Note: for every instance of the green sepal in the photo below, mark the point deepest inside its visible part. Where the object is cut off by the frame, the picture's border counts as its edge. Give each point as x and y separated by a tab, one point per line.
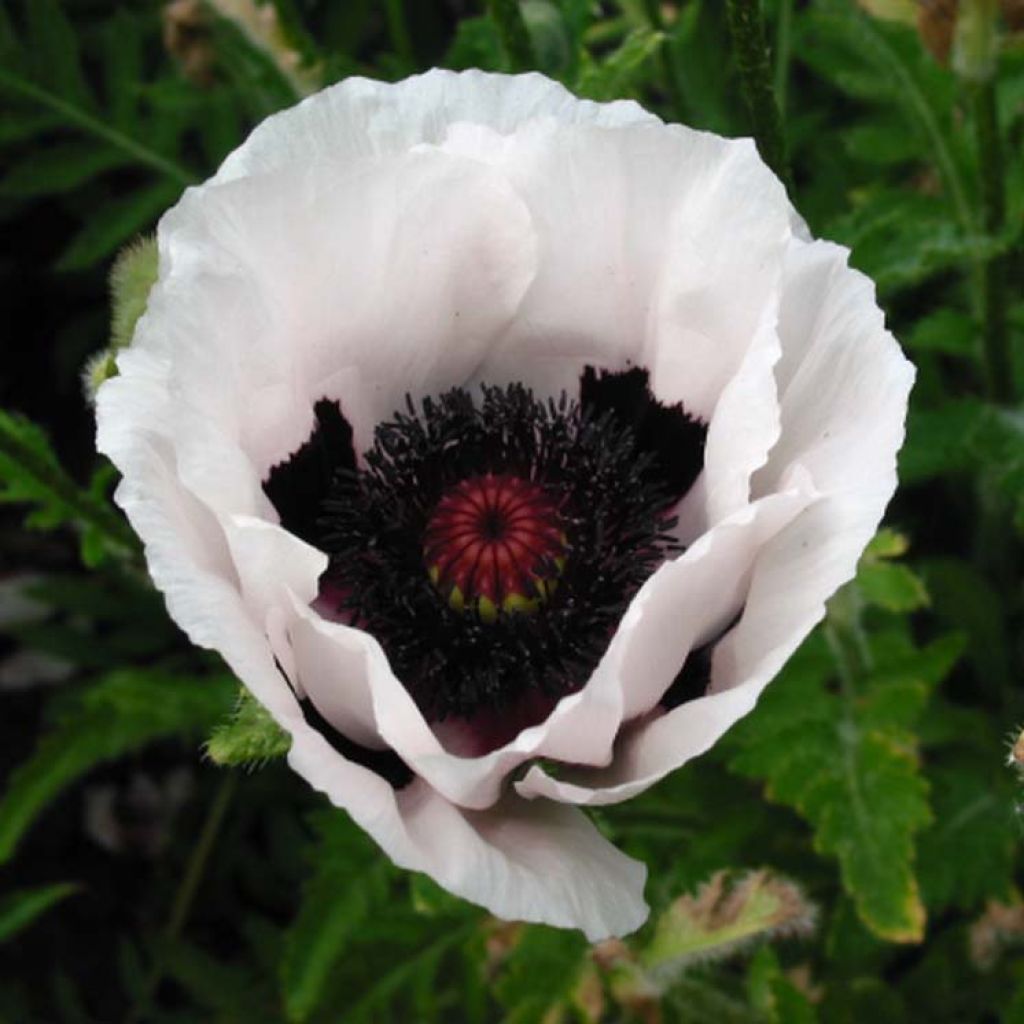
249	737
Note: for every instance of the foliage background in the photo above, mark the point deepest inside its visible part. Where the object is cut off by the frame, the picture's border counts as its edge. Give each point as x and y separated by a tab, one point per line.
849	852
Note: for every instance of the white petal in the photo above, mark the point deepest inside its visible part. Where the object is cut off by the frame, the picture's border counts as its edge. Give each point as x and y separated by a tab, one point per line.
347	676
524	862
536	863
687	603
658	246
360	117
844	386
386	276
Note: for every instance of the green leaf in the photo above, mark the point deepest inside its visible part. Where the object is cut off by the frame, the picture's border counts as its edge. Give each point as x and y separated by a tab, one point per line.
19	909
724	916
846	761
51	41
60	168
968	435
230	990
116	221
893	587
540	973
249	737
31	474
118	714
773	994
885	62
348	874
882	140
615	75
549	36
946	331
968	855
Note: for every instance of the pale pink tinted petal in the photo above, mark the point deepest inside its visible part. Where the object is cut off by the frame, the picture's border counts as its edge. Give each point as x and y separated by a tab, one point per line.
843	403
401	271
537	862
672	220
347	676
689	602
744	426
843	385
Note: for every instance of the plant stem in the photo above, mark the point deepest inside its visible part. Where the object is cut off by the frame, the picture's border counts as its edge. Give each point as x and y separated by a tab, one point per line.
783	52
515	38
400	38
186	891
746	26
995	334
666	58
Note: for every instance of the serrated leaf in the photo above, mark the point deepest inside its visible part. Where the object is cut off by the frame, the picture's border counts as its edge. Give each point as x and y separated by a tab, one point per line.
31	474
723	916
967	435
847	763
968	855
540	973
19	909
348	873
249	737
774	995
120	713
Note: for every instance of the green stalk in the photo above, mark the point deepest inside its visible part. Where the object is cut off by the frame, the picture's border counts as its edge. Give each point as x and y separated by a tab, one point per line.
515	38
995	332
746	26
783	53
667	59
186	892
399	31
975	59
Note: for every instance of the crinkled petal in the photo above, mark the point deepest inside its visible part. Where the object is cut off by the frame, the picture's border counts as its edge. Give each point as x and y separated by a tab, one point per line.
843	403
522	862
688	603
359	117
273	287
673	220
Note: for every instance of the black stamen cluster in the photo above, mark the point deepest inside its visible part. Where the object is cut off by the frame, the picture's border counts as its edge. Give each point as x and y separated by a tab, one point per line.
614	512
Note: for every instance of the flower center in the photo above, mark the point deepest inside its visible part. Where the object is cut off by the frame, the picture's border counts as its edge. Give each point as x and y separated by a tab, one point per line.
491	541
495	542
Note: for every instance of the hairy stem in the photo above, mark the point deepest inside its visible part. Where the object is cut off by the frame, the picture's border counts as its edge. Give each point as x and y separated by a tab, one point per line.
746	26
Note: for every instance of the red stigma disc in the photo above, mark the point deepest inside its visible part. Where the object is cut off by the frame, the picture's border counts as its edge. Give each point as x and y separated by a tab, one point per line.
495	542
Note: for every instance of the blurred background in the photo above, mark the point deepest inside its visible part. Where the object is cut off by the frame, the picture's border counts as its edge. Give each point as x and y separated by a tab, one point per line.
850	852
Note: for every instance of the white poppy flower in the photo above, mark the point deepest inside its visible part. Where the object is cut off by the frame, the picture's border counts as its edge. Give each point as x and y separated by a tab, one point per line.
343	439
